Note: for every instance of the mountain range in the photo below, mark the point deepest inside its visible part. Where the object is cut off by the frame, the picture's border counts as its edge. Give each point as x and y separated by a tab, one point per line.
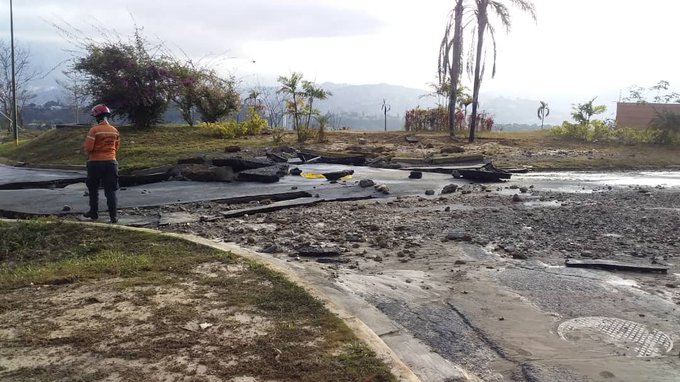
360	106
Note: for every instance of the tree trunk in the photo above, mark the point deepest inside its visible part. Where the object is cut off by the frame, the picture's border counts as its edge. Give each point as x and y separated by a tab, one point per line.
482	21
457	62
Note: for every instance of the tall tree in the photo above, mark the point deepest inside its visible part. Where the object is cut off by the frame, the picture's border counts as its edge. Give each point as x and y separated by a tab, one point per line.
291	87
24	75
313	92
75	85
132	77
482	9
583	112
451	58
543	112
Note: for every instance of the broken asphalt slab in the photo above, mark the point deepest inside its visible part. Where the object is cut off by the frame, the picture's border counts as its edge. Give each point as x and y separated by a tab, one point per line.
73	200
23	178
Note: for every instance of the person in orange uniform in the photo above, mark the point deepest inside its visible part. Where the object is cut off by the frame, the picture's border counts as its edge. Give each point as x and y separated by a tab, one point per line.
101	144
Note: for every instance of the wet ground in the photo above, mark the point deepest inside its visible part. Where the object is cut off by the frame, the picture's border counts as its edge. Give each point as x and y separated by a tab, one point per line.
475	278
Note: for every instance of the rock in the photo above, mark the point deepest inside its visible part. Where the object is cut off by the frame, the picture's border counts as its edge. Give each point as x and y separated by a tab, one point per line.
516	198
458	235
429	192
66	208
232	149
452	150
310	251
510	248
382	188
449	189
429	146
523	190
447	209
295	171
460	262
416	175
519	256
271	248
365	183
378	259
203	173
411	139
334	176
362	141
269	174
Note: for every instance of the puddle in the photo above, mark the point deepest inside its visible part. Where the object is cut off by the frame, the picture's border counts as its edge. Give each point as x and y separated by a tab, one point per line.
588	182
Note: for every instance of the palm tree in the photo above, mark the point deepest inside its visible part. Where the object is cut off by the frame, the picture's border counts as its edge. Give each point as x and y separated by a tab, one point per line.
501	10
451	58
290	85
543	112
312	92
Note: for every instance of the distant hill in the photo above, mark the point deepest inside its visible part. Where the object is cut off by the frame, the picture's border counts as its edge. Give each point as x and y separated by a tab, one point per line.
359	106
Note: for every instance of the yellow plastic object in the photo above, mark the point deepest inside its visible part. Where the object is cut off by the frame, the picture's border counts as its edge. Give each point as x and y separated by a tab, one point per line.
312	175
316	175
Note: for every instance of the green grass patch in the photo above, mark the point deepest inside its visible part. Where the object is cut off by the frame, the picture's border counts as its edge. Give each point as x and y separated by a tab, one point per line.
140	148
160	275
53	252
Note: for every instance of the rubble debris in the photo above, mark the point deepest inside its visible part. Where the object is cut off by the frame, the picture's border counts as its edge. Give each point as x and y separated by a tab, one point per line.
616	266
449	189
270	174
310	251
365	183
334	176
309	156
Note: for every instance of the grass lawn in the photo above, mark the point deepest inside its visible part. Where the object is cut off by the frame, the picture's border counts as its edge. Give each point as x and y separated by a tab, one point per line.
87	303
142	148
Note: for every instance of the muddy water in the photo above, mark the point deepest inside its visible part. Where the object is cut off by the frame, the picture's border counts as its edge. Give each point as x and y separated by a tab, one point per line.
581	181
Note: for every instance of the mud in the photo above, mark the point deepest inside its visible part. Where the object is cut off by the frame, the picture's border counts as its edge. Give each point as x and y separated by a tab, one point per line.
478	275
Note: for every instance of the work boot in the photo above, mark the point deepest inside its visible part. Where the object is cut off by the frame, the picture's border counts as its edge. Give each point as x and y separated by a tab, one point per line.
91	215
113	218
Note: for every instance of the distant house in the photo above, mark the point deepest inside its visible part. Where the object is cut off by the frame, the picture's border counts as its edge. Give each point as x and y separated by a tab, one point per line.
639	115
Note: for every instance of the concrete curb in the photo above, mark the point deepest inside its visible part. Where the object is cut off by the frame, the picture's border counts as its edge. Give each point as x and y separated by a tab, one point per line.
360	329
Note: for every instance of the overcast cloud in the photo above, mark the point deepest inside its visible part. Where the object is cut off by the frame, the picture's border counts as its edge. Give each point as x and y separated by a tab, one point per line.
578	48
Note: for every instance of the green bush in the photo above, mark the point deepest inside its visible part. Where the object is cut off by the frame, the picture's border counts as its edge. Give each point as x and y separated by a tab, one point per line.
223	130
255	123
571	131
232	129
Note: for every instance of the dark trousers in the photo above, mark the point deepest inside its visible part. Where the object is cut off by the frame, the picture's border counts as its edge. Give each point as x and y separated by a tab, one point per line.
103	173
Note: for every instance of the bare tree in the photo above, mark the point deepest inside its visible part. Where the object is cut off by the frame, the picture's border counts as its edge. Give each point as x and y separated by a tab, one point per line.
24	75
274	105
75	85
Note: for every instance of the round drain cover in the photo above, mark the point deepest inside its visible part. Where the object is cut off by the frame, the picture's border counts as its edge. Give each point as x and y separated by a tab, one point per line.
645	342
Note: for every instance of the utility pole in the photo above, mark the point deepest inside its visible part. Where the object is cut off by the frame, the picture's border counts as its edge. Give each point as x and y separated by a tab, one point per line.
385	108
14	80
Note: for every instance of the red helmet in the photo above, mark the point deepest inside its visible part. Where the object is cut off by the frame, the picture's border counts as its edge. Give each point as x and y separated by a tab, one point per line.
99	110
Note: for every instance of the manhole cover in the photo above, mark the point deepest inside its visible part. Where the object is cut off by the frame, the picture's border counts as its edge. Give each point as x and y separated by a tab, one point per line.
644	342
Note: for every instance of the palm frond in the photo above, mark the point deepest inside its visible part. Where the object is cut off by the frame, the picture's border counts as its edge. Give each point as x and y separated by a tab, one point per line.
501	10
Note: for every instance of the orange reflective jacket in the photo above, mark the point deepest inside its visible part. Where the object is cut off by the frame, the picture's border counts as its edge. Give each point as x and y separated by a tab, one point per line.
102	142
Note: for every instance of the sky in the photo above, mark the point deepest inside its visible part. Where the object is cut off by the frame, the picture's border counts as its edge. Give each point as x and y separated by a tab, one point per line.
577	49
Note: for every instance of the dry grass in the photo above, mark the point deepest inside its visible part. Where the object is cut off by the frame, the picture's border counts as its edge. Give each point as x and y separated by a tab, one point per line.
96	303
